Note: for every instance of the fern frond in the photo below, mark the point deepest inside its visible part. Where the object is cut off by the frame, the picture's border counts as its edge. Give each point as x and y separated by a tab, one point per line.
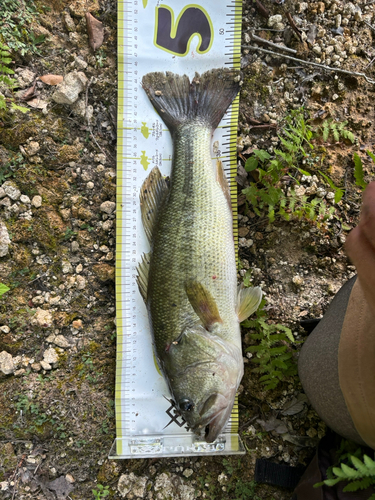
358	171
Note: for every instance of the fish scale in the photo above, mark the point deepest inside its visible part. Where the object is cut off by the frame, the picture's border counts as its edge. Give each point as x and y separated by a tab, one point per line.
194	239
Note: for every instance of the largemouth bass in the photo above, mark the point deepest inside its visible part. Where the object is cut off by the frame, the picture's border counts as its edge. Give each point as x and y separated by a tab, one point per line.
189	279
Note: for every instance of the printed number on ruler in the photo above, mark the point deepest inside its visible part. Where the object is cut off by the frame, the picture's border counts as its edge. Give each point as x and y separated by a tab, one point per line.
174	35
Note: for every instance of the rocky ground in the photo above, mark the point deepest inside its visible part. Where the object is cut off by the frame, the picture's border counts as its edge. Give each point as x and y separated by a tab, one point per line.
57	243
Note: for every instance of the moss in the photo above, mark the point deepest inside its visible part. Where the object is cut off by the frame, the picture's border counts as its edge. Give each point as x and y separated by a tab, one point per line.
255	83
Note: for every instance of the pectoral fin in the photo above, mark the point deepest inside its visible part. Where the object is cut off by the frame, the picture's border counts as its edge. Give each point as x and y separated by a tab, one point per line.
142	278
203	304
153	192
248	301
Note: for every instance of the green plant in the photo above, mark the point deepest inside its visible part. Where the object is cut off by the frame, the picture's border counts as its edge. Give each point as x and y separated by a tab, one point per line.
6	80
3	289
273	354
337	130
269	194
236	487
358	478
100	492
69	233
358	169
16	21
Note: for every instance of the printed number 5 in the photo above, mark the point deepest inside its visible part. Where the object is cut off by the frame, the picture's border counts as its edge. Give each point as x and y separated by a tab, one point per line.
175	37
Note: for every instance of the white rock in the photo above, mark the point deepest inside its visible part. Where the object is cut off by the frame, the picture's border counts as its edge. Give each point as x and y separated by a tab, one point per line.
5	329
297	280
131	486
5	202
6	363
4	239
68	90
11	190
2	193
24	199
50	355
61	341
79	108
81	282
100	158
54	300
32	148
108	207
317	49
37	201
168	486
45	365
42	318
66	267
243	242
300	191
272	20
107	225
321	192
25	77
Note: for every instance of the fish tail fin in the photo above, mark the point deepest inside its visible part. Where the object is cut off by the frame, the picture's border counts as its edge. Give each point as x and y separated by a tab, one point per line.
206	98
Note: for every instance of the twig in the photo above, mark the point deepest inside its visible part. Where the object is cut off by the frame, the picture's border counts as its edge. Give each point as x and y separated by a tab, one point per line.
369	25
271	44
370	63
316	65
264	126
262	10
88	121
293	25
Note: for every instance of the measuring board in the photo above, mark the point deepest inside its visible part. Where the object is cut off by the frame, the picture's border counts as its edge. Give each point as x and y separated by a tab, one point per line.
182	38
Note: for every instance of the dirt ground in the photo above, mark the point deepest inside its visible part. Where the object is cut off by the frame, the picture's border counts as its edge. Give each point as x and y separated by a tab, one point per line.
57	245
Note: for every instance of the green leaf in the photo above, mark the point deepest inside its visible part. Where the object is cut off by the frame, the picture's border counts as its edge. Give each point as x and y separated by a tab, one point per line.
369	462
3	289
371	155
19	108
358	171
262	154
251	164
338	195
349	472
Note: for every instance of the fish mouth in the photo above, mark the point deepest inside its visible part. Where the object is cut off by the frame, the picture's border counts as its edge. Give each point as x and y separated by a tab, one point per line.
217	424
212	425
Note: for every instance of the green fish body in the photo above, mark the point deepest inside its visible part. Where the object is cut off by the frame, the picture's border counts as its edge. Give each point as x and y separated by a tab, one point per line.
189	279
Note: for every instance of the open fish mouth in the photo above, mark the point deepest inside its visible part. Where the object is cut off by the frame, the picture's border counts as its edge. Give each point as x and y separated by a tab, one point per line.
211	426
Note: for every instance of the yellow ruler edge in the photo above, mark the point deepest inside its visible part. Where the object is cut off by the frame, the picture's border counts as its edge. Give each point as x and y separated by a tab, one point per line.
233	173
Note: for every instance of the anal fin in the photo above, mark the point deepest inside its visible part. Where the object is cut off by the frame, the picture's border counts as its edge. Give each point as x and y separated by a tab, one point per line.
153	192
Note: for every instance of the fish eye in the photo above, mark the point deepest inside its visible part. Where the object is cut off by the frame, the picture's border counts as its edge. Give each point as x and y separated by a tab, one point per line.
186	405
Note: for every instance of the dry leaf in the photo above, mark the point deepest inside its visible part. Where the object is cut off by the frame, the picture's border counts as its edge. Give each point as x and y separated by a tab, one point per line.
51	79
29	93
37	103
273	424
95	31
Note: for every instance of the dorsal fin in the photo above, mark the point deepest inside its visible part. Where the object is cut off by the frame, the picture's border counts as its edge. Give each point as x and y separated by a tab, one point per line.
153	191
142	278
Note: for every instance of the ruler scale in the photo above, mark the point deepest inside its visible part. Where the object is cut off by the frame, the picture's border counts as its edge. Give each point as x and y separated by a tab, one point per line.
143	411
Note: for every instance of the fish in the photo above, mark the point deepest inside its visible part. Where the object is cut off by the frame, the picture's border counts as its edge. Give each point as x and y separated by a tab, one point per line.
188	280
